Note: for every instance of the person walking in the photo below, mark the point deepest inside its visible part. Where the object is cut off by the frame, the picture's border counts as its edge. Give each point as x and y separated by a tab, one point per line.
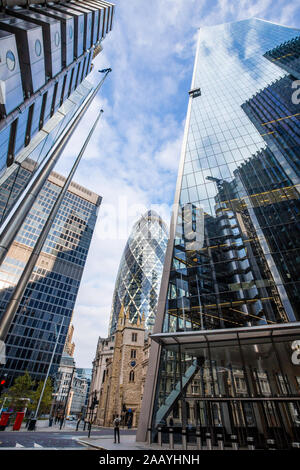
117	421
129	422
61	421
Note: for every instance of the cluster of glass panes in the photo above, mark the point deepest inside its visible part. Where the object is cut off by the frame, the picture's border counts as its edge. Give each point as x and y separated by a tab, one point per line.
138	280
71	231
259	368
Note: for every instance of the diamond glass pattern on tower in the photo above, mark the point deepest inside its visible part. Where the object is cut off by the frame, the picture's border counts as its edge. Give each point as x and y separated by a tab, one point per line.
138	280
225	352
46	55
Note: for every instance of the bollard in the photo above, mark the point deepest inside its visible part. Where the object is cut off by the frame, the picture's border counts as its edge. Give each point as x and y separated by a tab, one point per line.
184	439
149	432
171	438
32	424
250	441
234	442
220	441
271	444
159	439
296	445
208	441
198	438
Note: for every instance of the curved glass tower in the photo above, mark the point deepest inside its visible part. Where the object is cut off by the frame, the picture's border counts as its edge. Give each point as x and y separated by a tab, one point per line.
138	280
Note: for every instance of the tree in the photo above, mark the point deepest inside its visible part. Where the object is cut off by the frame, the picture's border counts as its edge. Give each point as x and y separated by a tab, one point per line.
22	388
47	397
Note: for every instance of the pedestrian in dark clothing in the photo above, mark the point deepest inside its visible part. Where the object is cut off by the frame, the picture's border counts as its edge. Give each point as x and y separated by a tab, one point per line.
129	422
117	421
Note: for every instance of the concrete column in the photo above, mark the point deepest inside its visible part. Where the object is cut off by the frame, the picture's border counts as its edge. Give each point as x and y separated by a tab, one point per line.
171	438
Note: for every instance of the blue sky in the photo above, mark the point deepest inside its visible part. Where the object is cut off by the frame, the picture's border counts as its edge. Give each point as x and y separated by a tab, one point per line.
133	156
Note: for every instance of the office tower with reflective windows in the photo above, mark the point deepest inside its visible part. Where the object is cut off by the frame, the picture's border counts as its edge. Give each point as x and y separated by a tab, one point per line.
225	354
138	279
46	55
50	295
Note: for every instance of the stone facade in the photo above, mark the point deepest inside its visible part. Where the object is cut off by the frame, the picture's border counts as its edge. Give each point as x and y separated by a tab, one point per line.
119	374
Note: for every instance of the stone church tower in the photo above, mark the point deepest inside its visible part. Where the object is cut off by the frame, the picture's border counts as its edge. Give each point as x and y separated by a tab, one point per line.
122	381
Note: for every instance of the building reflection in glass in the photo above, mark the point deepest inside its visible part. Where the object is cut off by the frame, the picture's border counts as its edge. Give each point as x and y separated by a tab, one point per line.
51	293
138	279
241	169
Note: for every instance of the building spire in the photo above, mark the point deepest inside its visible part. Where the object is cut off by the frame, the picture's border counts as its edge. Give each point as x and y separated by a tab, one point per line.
121	316
143	320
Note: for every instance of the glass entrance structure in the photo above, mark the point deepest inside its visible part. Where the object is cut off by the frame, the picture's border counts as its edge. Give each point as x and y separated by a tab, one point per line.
231	276
242	382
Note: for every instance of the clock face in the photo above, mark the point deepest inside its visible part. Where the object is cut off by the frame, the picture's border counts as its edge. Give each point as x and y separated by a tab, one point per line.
132	363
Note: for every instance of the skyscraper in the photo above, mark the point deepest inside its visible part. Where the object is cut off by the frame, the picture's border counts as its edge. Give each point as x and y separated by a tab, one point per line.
138	279
51	293
47	53
225	351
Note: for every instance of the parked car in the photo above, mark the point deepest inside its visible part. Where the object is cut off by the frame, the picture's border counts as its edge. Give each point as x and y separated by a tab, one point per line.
71	417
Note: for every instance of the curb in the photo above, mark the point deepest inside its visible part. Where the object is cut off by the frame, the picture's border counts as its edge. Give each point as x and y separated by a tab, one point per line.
91	445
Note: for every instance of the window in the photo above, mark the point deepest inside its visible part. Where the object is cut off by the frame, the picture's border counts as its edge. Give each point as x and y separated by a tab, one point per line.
133	354
38	47
131	376
134	337
10	60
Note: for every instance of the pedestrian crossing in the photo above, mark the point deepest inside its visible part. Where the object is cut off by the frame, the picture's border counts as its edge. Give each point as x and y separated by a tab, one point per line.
35	445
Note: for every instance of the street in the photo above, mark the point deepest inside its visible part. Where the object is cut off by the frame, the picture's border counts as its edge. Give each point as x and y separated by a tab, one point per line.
55	439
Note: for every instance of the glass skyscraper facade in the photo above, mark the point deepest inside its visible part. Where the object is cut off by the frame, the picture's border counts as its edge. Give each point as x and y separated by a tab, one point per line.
225	353
46	54
51	293
138	280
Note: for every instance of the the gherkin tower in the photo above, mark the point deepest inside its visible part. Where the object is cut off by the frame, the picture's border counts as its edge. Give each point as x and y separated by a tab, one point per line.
138	280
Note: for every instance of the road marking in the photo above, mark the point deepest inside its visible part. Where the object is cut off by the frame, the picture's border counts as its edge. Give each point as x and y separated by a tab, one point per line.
18	445
37	445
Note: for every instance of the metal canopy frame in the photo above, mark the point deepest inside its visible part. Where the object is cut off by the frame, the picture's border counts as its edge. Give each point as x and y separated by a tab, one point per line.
213	336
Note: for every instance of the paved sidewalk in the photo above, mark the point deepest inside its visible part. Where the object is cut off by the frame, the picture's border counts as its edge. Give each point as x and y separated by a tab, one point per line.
127	442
